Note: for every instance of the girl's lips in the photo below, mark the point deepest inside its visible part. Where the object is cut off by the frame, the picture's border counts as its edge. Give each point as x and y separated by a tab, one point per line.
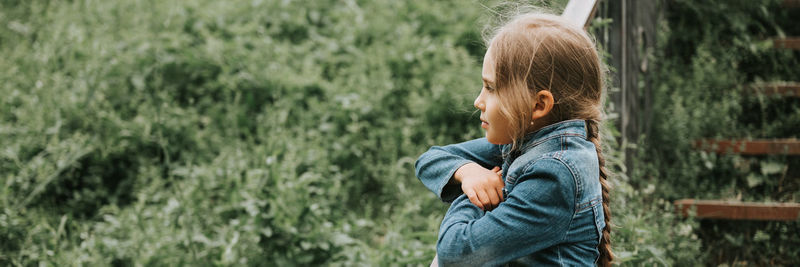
484	125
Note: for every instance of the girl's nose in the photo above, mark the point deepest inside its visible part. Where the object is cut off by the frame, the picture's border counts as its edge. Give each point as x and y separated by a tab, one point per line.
478	103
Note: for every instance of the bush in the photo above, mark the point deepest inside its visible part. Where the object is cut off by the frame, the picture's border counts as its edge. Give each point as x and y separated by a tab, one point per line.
251	132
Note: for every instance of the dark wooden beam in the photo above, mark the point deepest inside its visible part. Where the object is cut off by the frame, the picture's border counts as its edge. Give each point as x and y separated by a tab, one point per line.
630	39
790	3
734	210
750	147
785	89
787	43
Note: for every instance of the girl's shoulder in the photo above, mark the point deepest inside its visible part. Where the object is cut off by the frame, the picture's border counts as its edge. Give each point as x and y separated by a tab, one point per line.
564	146
563	155
564	141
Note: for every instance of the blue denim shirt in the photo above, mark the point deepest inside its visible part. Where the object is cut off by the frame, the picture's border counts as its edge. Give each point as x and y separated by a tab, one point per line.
552	213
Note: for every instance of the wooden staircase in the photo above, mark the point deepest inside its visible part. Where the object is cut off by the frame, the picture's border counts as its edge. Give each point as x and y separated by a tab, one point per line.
791	3
780	89
730	210
737	210
787	43
790	146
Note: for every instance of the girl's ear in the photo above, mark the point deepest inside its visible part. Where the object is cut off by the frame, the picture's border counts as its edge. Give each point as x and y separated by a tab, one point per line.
543	104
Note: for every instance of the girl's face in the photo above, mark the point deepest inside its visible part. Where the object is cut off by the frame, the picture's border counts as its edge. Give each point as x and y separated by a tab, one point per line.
496	125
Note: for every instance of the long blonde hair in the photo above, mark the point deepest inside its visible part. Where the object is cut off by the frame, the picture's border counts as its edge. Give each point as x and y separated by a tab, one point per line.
535	52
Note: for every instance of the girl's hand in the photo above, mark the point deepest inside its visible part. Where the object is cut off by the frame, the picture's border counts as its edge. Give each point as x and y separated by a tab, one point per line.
483	187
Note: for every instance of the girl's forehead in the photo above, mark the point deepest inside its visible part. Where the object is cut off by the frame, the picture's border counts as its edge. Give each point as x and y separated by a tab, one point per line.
488	69
488	66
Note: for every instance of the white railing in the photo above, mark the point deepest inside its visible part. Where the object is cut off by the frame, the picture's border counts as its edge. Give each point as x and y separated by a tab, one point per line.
580	12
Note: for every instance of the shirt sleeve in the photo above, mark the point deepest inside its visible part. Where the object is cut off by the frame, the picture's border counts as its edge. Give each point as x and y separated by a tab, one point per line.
536	215
436	166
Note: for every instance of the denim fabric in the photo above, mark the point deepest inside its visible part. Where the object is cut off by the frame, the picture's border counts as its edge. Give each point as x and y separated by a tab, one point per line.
552	213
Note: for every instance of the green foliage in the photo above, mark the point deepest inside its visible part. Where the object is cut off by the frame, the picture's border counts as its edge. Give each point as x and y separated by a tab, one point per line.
649	233
236	133
645	230
709	52
700	92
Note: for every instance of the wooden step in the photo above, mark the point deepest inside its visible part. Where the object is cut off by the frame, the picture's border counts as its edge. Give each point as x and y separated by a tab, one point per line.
750	147
787	43
734	210
790	3
784	89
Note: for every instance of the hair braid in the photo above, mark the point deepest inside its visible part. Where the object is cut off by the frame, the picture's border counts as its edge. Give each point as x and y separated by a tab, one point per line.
606	256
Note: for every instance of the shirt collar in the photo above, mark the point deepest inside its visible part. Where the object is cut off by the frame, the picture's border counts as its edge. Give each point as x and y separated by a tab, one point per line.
567	127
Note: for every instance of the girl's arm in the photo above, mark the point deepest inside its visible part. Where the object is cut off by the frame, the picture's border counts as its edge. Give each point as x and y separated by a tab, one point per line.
436	167
534	216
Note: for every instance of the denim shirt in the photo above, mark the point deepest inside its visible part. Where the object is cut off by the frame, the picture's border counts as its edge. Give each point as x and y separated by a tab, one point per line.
552	213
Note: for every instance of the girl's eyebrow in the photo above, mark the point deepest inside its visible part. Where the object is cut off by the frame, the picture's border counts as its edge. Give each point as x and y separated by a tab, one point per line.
487	81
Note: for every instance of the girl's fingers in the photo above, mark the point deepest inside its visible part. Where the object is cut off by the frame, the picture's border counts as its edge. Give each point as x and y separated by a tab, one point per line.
499	184
495	200
473	197
500	193
484	198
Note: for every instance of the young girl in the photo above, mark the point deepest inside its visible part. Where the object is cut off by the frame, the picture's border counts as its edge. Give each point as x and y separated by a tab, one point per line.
534	191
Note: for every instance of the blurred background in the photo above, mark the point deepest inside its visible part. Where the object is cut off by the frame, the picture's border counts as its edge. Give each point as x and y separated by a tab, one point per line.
280	133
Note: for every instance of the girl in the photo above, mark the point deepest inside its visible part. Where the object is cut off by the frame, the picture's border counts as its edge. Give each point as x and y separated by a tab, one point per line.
534	190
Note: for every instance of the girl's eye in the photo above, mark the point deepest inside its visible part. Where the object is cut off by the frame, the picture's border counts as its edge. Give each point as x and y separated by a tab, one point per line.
489	88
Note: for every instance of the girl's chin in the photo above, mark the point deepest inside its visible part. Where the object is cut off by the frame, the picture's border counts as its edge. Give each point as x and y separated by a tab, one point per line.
494	140
497	141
